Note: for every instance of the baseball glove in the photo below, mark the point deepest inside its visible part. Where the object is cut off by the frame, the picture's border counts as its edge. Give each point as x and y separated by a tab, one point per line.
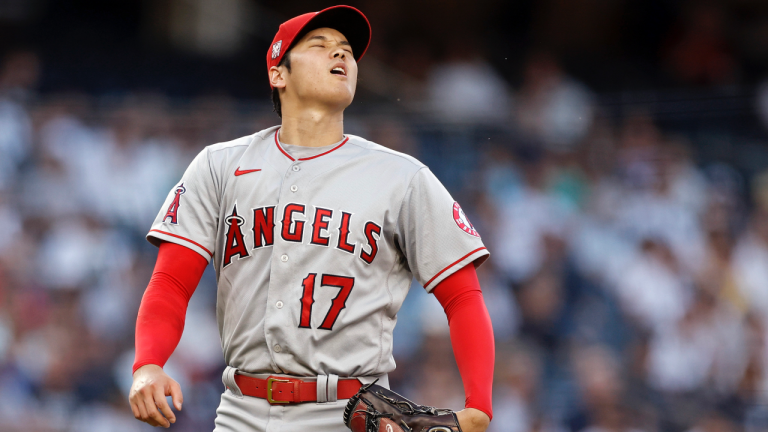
376	409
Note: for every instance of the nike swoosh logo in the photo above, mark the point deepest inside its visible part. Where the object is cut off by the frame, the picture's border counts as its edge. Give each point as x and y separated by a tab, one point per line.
238	172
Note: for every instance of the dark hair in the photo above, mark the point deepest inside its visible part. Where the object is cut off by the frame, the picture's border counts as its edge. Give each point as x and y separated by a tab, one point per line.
286	60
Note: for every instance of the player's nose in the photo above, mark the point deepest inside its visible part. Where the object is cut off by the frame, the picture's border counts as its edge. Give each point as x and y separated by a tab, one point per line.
339	53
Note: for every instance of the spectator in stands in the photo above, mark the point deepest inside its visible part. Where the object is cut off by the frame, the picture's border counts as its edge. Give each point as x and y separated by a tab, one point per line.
553	107
465	88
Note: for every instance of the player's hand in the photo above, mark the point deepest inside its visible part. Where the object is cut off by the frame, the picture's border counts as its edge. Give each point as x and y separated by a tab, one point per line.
150	387
473	420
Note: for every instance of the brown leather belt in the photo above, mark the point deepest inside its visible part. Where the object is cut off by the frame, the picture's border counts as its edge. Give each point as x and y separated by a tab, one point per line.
282	390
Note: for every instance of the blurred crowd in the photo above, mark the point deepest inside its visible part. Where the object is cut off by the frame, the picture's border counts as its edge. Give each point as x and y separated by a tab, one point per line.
628	283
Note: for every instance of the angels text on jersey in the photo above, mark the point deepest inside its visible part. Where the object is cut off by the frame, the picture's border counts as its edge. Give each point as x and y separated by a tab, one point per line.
298	223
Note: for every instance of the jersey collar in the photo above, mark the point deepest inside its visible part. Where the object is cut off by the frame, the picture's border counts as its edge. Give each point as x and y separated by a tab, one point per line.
279	147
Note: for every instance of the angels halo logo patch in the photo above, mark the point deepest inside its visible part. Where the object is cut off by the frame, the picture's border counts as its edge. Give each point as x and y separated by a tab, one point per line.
462	221
276	49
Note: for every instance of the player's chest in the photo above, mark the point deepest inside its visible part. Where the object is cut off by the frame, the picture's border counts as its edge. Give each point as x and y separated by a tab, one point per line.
344	214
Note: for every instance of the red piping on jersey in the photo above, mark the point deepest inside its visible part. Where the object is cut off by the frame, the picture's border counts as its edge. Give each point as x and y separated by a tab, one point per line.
325	153
307	158
184	238
281	149
451	265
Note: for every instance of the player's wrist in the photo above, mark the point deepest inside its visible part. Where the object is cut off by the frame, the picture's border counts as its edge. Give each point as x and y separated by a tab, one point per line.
473	420
147	368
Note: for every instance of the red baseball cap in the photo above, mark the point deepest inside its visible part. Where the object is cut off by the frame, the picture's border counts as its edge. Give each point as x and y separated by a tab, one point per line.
346	19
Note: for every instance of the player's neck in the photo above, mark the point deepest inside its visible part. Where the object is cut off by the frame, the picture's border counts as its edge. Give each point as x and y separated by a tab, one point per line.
312	127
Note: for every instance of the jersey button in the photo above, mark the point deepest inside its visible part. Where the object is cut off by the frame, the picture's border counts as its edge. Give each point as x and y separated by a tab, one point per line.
279	304
284	258
294	188
296	168
277	348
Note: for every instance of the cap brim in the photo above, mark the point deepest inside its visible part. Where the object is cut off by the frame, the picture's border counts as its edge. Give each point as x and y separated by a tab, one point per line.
347	20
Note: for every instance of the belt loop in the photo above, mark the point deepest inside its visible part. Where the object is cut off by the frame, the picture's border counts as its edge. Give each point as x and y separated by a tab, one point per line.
322	388
333	382
296	391
228	378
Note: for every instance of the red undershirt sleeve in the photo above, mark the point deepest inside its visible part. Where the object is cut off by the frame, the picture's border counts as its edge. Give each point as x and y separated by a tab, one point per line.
163	308
471	335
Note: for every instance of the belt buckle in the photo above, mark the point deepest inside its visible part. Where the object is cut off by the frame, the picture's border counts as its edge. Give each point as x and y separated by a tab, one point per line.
270	381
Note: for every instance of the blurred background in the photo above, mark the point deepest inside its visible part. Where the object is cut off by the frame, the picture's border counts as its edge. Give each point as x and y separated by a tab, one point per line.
612	153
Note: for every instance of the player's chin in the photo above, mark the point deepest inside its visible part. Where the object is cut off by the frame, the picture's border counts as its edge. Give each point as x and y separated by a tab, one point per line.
343	85
340	96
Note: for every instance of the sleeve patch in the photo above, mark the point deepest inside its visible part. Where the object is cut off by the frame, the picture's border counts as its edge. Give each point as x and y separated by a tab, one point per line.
173	209
462	221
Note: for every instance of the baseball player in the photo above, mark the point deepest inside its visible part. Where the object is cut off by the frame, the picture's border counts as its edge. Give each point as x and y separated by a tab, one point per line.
315	236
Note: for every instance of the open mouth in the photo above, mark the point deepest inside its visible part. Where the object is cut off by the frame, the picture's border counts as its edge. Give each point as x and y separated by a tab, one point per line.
339	71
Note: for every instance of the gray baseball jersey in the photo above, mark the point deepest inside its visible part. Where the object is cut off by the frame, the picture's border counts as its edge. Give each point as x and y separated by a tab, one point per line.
314	256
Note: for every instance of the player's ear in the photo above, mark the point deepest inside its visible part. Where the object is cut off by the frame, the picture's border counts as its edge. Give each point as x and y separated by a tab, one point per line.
276	77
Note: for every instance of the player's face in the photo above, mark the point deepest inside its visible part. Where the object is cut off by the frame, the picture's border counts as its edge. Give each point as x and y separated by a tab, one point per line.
323	69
